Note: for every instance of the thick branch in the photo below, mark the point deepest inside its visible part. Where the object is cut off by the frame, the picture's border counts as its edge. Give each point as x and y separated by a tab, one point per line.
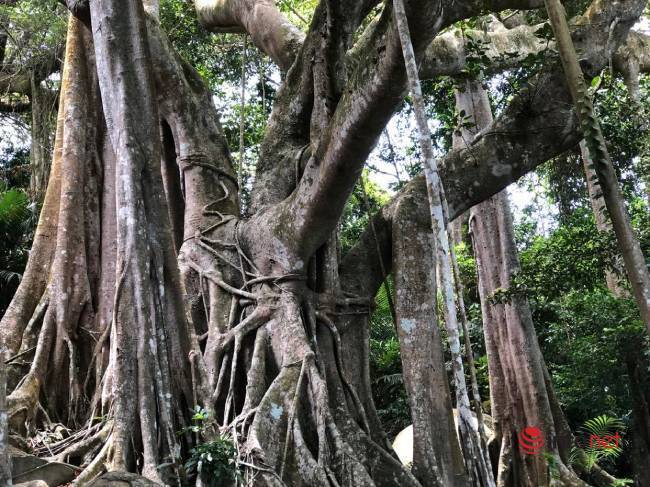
537	125
269	29
507	48
447	55
375	90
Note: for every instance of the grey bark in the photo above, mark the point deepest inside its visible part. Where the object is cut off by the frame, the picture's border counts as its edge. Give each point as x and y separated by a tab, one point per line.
5	460
148	324
476	460
519	391
437	458
43	105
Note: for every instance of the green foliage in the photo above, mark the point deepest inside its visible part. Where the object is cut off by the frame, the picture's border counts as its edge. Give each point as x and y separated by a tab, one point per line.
216	58
200	418
584	331
215	462
356	213
299	12
574	256
16	223
583	334
624	127
594	449
467	270
386	369
552	462
36	31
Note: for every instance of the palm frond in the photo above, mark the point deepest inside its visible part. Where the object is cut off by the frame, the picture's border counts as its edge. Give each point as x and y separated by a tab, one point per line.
391	379
603	425
13	206
6	277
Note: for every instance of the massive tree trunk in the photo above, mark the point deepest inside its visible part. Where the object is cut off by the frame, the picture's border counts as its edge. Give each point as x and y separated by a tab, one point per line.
520	389
100	311
146	292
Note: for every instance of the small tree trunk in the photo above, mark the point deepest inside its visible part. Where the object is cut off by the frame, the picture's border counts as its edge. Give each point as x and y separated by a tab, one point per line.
476	459
602	222
635	264
5	459
520	390
43	103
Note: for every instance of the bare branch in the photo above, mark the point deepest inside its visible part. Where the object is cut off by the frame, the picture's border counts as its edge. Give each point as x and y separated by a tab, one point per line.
506	48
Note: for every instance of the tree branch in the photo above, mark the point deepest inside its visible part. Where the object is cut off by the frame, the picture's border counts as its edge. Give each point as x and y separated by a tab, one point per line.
288	133
506	48
269	29
376	88
537	125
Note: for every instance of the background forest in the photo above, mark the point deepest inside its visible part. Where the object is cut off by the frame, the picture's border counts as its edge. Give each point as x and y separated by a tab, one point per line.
588	336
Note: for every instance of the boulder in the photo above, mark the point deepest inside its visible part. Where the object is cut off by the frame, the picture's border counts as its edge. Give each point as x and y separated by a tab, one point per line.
122	479
28	468
32	483
403	443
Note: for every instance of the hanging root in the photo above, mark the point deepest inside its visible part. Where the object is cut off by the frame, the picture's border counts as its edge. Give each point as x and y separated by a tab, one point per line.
295	437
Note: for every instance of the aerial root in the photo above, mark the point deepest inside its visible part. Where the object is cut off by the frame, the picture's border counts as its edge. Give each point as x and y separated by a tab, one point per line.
22	403
331	461
338	354
97	465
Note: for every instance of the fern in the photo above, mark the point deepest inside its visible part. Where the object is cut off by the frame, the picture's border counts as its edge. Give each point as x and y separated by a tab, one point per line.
7	277
391	379
14	207
590	453
603	425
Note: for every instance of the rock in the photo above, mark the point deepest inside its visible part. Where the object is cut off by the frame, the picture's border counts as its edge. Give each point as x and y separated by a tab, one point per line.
28	468
122	479
403	444
32	483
